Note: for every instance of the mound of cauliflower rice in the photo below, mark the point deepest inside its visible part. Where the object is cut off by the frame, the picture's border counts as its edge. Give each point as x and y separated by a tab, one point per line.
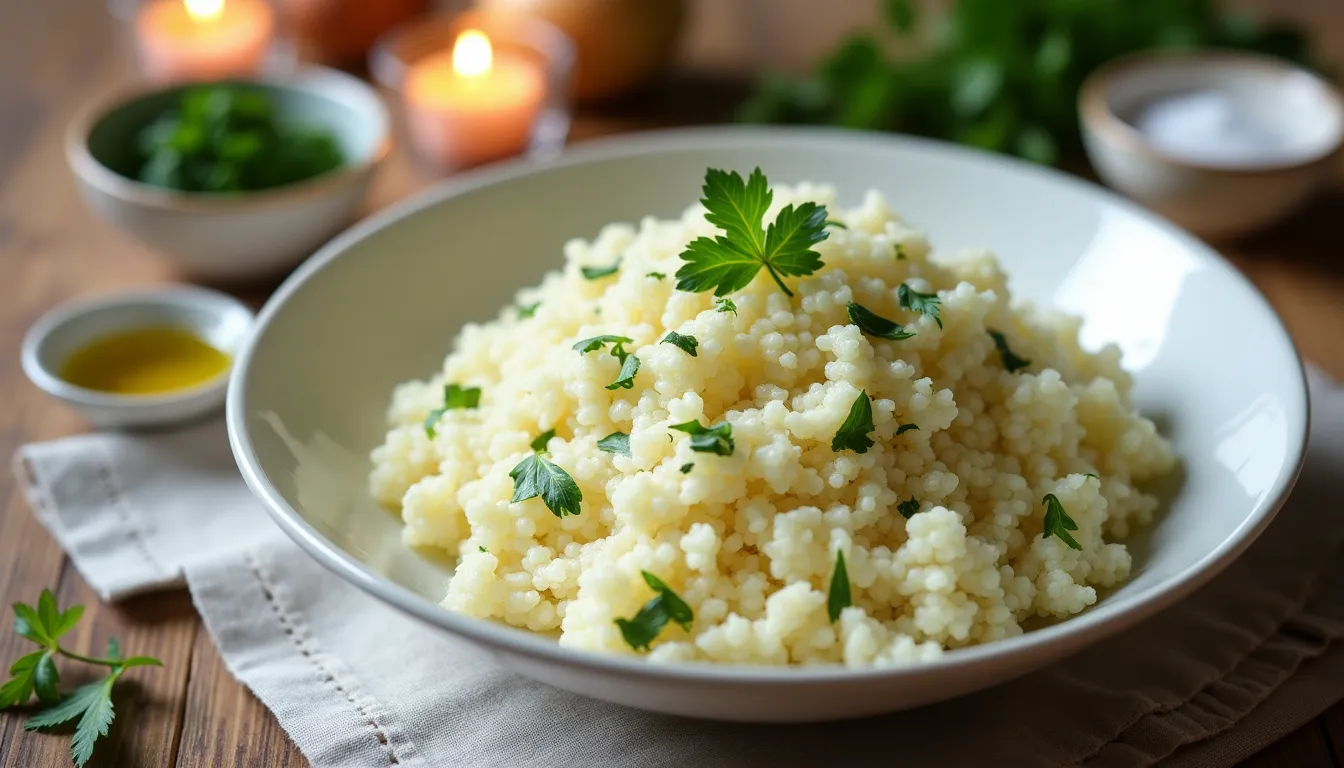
941	525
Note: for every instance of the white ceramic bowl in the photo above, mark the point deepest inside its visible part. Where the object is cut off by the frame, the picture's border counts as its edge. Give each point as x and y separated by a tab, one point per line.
221	320
234	237
1214	199
1212	362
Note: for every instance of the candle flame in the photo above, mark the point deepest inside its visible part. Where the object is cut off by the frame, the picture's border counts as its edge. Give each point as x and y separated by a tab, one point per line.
472	55
204	10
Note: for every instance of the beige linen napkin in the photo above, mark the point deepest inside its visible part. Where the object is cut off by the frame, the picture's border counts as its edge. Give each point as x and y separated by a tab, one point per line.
1243	662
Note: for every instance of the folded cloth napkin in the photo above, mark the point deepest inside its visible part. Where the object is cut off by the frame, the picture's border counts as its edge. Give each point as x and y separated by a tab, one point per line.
1245	661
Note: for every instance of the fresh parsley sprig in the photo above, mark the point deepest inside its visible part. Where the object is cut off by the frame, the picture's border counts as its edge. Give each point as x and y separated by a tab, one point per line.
626	378
1058	523
725	304
666	606
527	310
687	344
874	324
729	262
454	396
36	673
853	433
1011	362
616	442
908	508
838	598
717	439
537	475
901	430
923	303
597	273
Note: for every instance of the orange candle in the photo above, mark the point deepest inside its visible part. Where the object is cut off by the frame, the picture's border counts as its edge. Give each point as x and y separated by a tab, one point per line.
203	39
468	105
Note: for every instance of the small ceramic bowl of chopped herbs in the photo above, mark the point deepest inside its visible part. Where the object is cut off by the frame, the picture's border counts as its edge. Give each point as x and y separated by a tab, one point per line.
236	180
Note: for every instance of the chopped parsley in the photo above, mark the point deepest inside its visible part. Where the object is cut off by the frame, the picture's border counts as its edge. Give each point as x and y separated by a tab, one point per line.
657	275
838	599
1011	362
665	606
538	476
853	433
717	439
597	273
626	378
901	430
527	310
725	304
686	468
454	397
873	324
1094	477
483	549
729	262
616	442
688	344
900	251
539	445
908	508
923	303
1057	522
598	342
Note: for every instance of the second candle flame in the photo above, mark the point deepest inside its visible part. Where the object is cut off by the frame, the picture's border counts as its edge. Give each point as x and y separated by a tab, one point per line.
472	55
204	10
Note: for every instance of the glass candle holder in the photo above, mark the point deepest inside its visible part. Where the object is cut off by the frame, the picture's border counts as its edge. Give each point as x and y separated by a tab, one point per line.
206	40
478	86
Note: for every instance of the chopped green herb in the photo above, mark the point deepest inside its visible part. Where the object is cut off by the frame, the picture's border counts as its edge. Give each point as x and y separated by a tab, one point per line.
483	549
688	344
538	476
454	397
900	251
616	442
686	468
1057	522
36	673
853	433
657	275
923	303
1011	362
527	310
539	445
725	304
598	342
717	439
908	508
1094	477
901	430
665	606
626	378
838	599
597	273
730	261
876	325
837	224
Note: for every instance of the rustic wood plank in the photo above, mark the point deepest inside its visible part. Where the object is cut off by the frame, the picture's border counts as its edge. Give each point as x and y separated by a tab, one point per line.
225	726
1304	748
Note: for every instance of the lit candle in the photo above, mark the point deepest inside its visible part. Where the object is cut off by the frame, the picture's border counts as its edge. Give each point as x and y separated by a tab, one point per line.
468	105
203	39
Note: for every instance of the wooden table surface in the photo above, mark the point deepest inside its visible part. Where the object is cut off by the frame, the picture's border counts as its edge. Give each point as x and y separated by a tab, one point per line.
57	54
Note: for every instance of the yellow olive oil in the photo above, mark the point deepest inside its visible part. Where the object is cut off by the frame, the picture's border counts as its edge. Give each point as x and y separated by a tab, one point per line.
145	361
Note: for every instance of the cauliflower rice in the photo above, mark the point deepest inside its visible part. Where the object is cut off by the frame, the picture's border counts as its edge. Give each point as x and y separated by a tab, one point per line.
750	540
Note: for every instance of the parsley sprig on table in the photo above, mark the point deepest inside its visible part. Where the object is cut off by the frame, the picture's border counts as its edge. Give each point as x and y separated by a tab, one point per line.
90	704
729	262
666	606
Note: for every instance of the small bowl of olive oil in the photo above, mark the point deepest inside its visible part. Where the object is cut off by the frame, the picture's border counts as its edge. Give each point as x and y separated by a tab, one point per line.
138	360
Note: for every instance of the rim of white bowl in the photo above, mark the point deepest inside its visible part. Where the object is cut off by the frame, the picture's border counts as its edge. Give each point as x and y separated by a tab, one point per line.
1099	621
49	381
323	82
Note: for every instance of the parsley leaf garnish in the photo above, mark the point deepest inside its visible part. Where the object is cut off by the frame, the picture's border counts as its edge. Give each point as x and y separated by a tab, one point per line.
686	468
538	476
666	606
626	378
725	304
483	549
597	273
906	428
853	433
908	508
836	224
729	262
688	344
1011	362
1057	522
876	325
616	442
657	275
900	251
717	439
838	598
454	397
527	310
597	342
923	303
539	445
1094	477
91	704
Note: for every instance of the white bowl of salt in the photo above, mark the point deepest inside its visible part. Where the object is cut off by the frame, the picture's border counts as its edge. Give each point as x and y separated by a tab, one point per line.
1221	143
